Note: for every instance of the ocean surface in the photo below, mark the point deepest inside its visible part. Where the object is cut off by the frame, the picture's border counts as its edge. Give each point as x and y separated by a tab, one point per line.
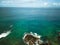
44	21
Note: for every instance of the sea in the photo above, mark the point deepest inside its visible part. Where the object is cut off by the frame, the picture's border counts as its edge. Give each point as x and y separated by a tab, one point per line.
43	21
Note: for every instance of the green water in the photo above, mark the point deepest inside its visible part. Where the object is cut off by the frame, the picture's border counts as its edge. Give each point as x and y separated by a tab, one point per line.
44	21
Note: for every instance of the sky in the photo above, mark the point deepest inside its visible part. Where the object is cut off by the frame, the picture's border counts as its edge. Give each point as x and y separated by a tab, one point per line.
29	3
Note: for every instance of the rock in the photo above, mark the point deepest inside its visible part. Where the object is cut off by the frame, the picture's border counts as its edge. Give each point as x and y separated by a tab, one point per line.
32	39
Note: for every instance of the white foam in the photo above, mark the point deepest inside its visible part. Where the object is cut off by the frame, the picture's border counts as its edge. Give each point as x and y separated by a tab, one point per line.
11	26
36	35
24	36
33	34
5	34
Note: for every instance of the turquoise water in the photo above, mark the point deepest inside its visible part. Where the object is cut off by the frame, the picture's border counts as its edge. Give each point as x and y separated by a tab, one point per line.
44	21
